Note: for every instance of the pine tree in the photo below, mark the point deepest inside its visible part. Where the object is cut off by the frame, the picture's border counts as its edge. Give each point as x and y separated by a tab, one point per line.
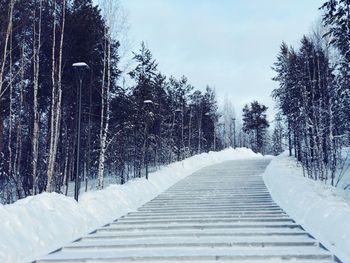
277	136
143	94
254	120
307	98
337	17
210	119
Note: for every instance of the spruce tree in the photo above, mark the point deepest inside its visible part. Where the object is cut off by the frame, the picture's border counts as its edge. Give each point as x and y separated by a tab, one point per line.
254	120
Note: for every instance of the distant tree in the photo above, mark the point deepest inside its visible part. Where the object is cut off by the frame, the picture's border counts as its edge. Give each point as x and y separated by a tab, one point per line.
229	121
162	121
143	94
277	136
179	91
210	120
254	120
198	112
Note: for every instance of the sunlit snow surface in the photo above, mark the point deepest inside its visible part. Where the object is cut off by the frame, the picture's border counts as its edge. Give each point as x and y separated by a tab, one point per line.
323	211
34	226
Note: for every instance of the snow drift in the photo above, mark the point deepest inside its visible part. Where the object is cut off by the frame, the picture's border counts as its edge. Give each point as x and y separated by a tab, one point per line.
323	210
37	225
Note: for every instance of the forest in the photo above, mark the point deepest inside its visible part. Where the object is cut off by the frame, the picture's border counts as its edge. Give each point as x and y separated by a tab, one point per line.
52	134
313	95
64	126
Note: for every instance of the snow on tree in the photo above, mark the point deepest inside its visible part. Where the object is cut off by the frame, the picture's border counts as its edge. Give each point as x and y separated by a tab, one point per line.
255	122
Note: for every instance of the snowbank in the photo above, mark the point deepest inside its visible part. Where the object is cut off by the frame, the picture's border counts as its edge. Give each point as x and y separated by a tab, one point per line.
34	226
323	211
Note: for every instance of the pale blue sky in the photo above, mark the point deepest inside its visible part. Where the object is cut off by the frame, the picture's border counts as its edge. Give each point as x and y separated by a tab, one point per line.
227	44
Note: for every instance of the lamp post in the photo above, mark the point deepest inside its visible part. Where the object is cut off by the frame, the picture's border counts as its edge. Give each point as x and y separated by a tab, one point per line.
181	143
79	68
147	104
214	129
190	129
234	132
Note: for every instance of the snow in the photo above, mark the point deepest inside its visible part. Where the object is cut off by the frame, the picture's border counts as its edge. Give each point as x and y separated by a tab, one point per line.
37	225
322	210
343	175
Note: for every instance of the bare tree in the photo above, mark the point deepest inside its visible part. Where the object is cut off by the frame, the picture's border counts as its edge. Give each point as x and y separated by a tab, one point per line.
10	125
56	96
19	142
3	63
110	9
116	21
36	69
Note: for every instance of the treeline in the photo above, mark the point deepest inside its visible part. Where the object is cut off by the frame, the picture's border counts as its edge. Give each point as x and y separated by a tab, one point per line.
313	95
124	129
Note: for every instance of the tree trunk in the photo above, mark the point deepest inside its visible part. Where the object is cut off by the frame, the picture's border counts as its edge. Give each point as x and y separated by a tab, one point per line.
36	129
10	125
19	143
290	139
104	109
51	162
2	69
56	98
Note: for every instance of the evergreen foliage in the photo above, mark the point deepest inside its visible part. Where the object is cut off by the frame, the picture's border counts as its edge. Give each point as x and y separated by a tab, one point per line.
310	103
255	122
125	131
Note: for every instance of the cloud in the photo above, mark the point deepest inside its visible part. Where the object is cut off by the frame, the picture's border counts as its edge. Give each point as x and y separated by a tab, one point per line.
229	44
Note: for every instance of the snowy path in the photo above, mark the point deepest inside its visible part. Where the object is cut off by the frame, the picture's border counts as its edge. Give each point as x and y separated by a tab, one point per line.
221	213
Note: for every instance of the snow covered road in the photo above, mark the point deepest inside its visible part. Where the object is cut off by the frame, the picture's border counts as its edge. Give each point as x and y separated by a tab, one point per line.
222	212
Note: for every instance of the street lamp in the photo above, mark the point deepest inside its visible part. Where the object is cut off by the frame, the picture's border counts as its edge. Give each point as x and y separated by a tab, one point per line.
190	128
148	104
234	133
180	145
214	129
79	68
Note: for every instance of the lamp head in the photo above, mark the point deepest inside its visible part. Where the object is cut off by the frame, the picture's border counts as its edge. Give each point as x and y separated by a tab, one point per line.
80	69
80	65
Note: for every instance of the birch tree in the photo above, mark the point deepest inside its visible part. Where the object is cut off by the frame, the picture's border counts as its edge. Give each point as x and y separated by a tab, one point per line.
19	135
104	111
56	96
111	9
3	63
10	128
36	70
